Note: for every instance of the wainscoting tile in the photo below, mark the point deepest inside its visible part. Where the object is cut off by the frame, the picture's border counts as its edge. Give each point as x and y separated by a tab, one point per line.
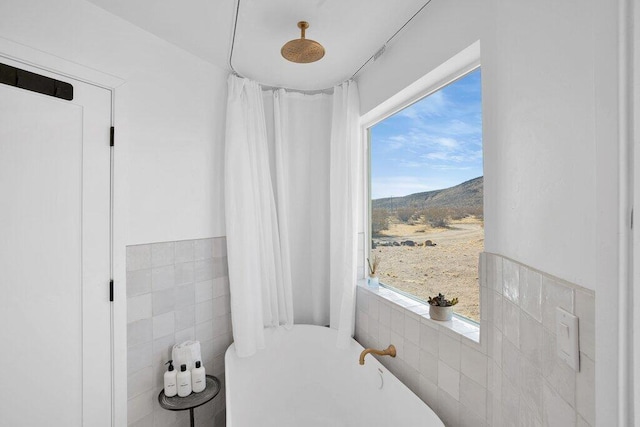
511	318
184	251
185	317
219	247
448	408
531	294
162	254
411	354
494	272
554	294
184	273
139	332
138	257
514	378
140	406
412	329
428	392
556	412
204	330
204	291
429	338
164	301
203	249
530	338
163	277
185	296
586	312
161	311
473	396
530	386
139	307
585	390
429	366
146	421
497	310
204	270
220	286
138	357
448	379
204	311
511	280
140	382
449	351
473	364
185	335
138	282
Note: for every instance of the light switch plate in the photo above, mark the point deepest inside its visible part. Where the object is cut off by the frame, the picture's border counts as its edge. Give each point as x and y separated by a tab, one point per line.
567	338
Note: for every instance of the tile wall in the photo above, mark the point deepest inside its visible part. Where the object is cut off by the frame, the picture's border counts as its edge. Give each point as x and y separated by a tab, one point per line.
176	291
512	377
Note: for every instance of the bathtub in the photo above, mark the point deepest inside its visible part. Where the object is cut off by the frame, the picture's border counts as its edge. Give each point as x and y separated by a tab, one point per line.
302	379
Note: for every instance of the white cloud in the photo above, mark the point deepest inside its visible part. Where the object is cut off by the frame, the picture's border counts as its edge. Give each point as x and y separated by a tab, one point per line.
433	105
398	186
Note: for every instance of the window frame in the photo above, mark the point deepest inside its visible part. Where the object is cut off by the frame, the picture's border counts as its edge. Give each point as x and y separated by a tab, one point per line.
450	71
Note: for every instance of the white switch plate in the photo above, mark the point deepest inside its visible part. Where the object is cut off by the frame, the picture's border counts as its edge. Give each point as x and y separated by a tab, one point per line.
567	338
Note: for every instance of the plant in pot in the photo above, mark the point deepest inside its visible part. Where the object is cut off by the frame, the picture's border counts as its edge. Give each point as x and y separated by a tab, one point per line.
373	281
441	308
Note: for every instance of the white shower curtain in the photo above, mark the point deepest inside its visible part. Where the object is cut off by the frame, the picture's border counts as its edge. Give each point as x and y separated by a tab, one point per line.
346	156
302	132
291	204
260	290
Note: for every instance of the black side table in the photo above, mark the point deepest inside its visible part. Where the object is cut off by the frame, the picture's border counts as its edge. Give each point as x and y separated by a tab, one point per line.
192	401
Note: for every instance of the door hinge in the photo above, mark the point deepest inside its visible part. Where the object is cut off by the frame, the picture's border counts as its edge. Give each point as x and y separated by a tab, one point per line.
112	136
111	290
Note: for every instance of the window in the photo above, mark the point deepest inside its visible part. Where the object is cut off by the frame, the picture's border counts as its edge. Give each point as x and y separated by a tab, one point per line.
426	190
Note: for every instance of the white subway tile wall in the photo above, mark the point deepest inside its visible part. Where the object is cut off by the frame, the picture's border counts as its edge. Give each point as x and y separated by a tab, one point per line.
176	291
513	375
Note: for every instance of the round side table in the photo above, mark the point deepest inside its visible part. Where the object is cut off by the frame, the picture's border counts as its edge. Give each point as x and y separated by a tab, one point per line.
192	401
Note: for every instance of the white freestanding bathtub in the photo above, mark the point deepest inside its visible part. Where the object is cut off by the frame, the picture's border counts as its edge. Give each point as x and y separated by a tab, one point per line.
302	379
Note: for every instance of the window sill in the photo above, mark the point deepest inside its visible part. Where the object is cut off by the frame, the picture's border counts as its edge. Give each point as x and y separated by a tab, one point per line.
457	324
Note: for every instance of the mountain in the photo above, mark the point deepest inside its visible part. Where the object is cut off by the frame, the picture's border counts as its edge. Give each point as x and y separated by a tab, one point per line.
469	194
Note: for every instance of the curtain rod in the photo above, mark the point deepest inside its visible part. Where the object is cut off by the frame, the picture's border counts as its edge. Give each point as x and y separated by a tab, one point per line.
375	56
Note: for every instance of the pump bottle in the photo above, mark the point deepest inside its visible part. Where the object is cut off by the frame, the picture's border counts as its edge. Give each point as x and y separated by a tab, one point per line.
198	378
184	381
170	388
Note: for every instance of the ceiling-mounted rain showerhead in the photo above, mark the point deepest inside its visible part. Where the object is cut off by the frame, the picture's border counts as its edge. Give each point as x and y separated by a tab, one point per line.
302	50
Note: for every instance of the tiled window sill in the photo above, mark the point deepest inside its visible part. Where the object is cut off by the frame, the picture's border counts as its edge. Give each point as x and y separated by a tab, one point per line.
457	324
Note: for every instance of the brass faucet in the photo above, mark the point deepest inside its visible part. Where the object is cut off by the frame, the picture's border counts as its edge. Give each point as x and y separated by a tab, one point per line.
389	351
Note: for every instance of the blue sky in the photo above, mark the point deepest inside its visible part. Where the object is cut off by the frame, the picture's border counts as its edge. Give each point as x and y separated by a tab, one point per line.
433	144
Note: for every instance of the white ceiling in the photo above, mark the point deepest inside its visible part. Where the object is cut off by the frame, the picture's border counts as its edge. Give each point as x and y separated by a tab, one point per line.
350	30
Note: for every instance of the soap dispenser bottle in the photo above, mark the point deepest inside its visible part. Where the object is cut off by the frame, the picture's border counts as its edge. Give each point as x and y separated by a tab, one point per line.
170	388
184	381
198	378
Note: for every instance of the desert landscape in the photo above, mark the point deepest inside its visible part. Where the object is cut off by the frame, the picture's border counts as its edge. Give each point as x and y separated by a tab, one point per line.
450	264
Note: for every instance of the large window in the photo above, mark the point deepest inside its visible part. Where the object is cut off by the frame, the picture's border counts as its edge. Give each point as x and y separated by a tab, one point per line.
427	225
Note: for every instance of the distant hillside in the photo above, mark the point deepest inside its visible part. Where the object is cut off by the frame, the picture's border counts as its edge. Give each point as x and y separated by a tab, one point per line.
469	194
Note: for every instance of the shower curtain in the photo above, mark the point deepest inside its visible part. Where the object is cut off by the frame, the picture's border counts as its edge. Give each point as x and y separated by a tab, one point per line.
289	159
301	135
260	287
346	157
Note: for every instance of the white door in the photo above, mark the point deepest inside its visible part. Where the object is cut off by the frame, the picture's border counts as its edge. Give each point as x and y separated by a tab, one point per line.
55	314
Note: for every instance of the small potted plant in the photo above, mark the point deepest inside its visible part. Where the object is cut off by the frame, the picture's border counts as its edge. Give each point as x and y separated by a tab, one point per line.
441	308
373	281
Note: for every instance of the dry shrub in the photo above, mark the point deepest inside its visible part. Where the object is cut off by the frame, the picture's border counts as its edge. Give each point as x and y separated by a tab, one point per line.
379	220
405	214
437	217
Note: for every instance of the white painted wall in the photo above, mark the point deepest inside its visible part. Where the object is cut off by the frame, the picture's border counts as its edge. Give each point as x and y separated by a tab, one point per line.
550	106
169	117
169	114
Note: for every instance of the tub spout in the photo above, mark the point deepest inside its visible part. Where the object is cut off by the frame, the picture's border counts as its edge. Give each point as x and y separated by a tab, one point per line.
389	351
